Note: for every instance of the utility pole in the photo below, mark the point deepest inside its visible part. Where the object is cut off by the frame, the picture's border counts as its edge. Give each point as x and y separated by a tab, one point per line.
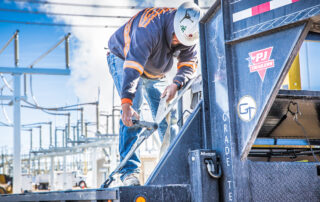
17	121
113	119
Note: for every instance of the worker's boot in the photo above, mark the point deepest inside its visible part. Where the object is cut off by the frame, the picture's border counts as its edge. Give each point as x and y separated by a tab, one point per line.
131	180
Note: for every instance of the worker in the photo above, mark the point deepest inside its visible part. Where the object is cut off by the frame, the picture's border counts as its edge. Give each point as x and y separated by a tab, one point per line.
141	53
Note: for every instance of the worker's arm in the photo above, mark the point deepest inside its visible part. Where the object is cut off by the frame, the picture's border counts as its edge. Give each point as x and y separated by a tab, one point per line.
137	52
187	65
186	68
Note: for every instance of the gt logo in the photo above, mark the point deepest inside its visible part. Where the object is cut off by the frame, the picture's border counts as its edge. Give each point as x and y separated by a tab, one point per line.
247	108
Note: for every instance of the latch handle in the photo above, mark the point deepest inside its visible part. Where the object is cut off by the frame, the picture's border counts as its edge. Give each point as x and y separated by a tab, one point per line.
211	170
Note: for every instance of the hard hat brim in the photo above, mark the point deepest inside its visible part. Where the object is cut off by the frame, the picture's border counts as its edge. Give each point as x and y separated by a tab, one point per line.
182	38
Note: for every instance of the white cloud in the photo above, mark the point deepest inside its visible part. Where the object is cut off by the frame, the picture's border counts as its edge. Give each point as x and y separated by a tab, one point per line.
88	62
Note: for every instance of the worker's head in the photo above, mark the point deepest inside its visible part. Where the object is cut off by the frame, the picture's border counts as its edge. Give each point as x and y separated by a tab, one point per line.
186	23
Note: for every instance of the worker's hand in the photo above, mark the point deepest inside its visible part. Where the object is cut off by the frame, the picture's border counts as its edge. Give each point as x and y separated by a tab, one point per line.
170	92
127	114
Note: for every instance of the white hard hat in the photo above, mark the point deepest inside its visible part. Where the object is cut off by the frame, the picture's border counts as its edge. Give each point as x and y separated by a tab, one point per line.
186	23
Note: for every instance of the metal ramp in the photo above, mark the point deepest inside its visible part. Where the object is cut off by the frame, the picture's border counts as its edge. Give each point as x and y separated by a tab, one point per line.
247	47
308	103
151	193
281	138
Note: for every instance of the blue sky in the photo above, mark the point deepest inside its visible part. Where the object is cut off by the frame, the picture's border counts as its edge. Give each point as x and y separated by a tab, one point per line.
50	91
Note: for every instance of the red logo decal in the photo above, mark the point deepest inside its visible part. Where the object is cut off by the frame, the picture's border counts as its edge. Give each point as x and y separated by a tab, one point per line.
259	61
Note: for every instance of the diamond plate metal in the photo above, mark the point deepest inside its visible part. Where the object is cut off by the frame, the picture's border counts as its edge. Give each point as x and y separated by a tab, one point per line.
284	181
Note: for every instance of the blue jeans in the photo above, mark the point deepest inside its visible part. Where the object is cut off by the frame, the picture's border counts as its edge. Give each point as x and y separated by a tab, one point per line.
151	89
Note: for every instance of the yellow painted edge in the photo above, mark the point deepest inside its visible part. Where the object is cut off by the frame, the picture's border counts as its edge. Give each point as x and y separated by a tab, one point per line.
286	146
294	75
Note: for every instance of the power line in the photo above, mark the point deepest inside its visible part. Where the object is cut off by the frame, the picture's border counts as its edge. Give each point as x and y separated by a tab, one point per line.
80	5
5	124
85	5
63	14
63	108
38	107
58	24
36	124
